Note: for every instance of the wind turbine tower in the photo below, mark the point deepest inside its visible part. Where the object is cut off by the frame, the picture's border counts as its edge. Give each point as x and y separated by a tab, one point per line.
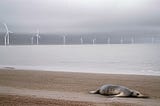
132	40
64	39
32	38
121	40
94	41
6	37
81	40
37	36
108	40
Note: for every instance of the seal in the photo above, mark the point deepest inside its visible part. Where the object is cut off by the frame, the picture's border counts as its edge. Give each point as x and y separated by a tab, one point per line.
117	91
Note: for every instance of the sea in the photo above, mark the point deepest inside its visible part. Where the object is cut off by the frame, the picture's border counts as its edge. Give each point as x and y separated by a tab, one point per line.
138	59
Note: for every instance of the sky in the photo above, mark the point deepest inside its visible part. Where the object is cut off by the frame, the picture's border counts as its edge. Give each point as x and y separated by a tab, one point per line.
62	16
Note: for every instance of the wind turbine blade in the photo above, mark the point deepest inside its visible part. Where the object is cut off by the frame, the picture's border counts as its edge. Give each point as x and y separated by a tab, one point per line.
10	32
6	27
37	33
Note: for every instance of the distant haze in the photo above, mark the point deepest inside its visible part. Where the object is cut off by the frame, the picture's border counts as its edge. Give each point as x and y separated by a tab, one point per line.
70	16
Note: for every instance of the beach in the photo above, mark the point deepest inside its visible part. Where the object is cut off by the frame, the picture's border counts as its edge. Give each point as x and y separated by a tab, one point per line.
53	88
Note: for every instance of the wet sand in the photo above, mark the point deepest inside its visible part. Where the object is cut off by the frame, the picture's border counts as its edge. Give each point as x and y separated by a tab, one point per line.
37	88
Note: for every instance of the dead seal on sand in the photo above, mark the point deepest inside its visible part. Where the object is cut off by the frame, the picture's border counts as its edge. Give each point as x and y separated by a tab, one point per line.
117	91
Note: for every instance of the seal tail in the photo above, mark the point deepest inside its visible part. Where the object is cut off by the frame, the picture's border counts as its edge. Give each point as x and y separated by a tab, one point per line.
94	92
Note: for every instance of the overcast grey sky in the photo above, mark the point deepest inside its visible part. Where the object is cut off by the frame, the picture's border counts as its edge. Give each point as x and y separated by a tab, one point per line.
78	15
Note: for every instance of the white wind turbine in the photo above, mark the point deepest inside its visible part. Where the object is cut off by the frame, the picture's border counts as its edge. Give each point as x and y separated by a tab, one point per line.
32	38
132	40
94	41
6	37
64	39
108	40
37	36
81	40
121	40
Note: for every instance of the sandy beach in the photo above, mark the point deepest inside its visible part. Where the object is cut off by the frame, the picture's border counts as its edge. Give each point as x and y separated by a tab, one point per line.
39	88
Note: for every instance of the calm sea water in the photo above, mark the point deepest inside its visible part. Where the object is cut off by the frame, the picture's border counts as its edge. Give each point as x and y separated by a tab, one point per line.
142	59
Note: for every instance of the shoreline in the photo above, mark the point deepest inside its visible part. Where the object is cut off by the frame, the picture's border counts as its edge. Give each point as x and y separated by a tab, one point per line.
69	71
73	87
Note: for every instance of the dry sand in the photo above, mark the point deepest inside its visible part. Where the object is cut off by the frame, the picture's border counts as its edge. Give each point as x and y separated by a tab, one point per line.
39	88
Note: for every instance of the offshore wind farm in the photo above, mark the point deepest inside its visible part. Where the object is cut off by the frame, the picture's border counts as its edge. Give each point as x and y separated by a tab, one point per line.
112	37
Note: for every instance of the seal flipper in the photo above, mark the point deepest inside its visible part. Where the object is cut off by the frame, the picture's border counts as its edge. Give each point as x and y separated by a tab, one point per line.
94	92
120	95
